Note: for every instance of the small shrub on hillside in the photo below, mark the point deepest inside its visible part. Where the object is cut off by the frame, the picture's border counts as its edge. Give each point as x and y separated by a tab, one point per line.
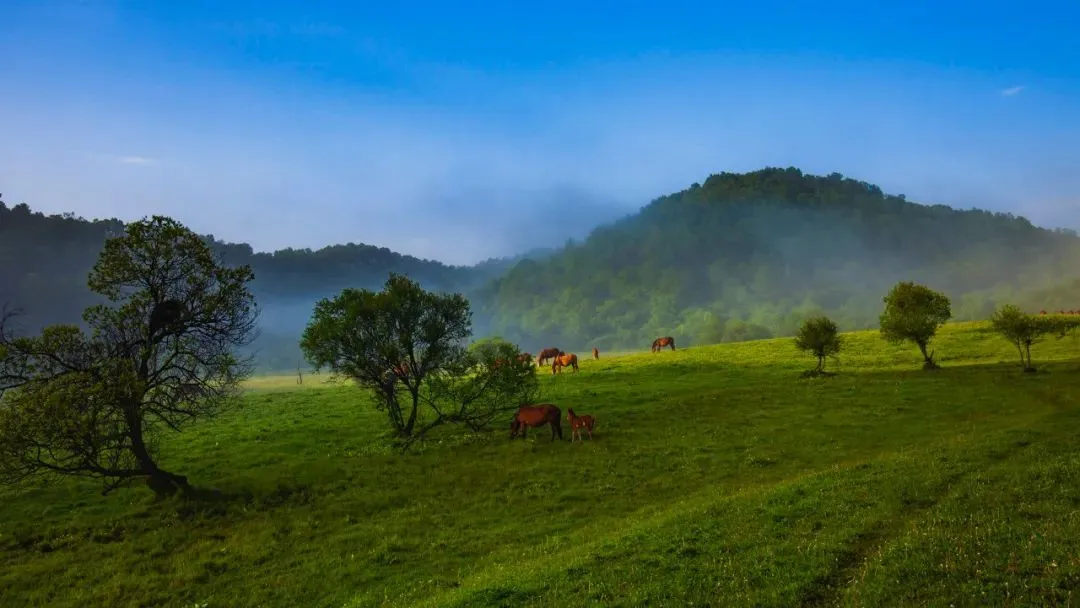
913	313
820	337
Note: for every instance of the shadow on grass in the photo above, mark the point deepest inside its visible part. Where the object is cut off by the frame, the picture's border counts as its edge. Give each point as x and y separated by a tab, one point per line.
965	371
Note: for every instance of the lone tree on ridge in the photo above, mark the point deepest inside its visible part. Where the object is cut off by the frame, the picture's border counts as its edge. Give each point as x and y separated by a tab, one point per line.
913	313
408	347
820	337
159	356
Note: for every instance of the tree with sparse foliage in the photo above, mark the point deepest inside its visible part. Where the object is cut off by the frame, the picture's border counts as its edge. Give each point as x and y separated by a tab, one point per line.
158	356
1023	330
913	313
820	337
408	346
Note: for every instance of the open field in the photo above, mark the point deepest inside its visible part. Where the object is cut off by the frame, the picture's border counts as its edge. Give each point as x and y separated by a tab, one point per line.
717	477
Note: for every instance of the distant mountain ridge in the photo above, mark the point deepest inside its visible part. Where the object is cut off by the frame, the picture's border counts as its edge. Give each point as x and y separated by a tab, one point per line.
736	257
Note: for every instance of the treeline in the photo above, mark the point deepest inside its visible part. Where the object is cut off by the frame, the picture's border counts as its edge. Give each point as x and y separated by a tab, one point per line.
738	257
45	259
747	256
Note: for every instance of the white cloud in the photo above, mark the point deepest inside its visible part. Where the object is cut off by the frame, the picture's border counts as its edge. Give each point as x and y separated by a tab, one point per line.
1009	92
135	160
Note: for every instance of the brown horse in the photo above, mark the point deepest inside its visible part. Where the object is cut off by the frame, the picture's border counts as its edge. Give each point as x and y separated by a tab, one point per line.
547	353
659	343
537	416
564	360
577	423
595	353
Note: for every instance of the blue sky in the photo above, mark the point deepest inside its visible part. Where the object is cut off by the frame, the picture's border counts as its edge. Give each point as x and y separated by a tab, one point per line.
459	131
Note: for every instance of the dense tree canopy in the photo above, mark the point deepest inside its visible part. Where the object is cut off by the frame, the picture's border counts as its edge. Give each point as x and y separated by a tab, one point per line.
738	257
751	255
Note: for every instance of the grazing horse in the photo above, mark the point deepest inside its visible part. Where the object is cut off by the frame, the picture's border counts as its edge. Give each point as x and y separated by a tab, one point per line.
564	360
659	343
547	353
577	423
595	353
537	416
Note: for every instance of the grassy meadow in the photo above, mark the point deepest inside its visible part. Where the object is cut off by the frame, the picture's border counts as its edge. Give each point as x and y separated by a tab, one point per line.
717	477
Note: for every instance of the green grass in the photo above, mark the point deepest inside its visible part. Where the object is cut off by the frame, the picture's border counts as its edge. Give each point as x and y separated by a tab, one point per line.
717	477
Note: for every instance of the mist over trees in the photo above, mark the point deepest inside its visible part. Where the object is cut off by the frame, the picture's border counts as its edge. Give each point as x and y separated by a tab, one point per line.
44	262
753	255
738	257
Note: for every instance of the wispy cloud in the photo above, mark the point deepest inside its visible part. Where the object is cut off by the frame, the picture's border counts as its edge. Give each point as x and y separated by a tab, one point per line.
1011	91
135	160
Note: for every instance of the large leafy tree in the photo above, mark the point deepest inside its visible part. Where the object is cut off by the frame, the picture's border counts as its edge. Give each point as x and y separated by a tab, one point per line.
158	356
913	313
408	347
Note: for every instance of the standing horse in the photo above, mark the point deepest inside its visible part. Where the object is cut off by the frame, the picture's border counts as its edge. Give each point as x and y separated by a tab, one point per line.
577	423
659	343
595	353
562	361
537	416
547	353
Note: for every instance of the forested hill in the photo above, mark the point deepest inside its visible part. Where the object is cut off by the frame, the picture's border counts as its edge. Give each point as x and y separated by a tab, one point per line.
45	259
741	256
750	255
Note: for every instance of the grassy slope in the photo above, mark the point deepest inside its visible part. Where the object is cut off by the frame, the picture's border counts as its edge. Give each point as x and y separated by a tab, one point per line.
716	477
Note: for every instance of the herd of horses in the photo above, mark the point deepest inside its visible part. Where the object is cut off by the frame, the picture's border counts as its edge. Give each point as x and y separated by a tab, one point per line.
560	359
544	413
548	413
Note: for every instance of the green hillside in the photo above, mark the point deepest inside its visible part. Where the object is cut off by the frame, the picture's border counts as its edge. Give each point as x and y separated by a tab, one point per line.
716	477
739	257
745	256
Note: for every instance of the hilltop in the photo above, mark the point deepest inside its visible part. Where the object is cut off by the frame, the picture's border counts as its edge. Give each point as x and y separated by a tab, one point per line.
715	477
744	256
